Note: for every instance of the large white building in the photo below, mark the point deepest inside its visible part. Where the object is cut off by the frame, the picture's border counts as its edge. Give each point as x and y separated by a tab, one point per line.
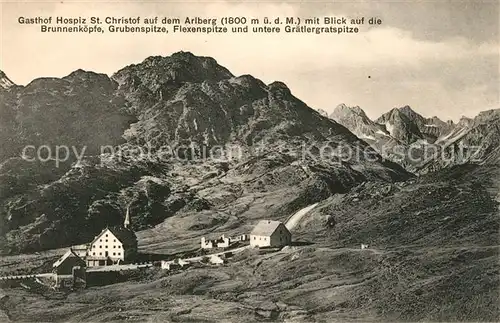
268	233
113	245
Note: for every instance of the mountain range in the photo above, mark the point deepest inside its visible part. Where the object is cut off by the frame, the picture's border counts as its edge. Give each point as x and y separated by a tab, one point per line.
187	112
190	114
425	144
192	150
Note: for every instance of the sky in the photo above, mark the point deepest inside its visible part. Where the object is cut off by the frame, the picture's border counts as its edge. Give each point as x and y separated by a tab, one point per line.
439	57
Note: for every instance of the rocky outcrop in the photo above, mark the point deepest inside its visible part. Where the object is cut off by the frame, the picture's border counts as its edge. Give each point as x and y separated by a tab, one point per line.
5	82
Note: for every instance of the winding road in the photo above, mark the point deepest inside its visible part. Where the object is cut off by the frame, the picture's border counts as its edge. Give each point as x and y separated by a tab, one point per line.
297	216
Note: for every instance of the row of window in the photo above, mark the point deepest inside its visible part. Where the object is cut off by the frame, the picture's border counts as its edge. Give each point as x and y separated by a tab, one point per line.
265	238
106	240
106	247
114	254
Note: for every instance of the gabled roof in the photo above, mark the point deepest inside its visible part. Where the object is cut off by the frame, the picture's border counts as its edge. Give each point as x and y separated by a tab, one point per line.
266	227
124	235
99	235
67	255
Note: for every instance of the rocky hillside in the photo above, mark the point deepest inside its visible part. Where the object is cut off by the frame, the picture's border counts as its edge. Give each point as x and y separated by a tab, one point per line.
436	240
188	136
80	111
472	141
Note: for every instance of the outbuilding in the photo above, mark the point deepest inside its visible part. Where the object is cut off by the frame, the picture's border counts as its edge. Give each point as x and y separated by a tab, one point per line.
269	233
65	264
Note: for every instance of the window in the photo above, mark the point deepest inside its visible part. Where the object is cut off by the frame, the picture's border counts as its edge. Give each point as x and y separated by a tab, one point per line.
106	235
114	246
106	240
100	247
93	254
255	238
100	240
100	253
119	254
113	253
114	240
106	246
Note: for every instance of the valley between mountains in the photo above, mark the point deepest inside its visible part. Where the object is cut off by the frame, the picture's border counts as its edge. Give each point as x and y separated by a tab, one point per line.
421	192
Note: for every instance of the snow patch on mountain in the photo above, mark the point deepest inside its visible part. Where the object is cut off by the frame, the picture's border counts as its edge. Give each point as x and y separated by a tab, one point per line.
389	127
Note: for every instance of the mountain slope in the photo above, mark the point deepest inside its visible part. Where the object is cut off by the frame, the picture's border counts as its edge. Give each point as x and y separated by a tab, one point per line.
188	137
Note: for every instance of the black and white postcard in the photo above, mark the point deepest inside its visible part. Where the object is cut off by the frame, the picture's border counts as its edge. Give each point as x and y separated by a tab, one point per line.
249	161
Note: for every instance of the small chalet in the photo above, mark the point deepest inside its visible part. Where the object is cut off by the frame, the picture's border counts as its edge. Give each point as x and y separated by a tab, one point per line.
115	245
268	233
65	264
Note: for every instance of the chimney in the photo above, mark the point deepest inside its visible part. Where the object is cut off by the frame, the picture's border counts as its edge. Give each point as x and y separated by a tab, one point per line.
126	223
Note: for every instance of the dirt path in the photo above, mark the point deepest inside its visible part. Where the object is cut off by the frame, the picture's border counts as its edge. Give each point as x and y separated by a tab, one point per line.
297	216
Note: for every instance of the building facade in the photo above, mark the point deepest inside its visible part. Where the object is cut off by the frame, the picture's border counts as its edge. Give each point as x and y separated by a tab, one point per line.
268	233
112	246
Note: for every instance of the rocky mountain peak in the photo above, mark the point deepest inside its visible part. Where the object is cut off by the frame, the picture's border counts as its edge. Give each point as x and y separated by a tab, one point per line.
465	122
400	125
356	120
344	111
90	79
5	82
393	114
279	86
82	74
156	72
409	112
